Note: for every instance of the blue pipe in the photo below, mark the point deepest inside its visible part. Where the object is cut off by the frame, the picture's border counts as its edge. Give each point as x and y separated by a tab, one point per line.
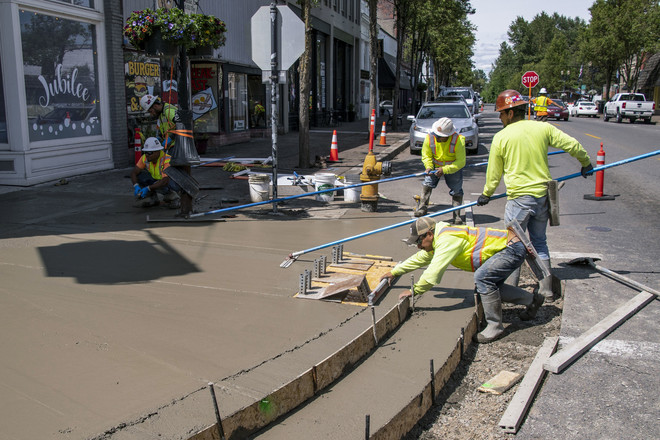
498	196
341	188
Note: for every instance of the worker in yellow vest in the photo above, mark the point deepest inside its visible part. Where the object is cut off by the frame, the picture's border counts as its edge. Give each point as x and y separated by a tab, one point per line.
492	254
150	178
165	114
541	105
443	154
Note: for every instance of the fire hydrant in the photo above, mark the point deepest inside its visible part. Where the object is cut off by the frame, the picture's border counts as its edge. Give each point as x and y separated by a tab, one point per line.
371	171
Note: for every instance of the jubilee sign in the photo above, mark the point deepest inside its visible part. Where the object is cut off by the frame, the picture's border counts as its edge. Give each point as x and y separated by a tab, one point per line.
530	79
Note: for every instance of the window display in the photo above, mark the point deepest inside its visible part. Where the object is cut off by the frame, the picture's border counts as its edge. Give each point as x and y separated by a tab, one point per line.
61	77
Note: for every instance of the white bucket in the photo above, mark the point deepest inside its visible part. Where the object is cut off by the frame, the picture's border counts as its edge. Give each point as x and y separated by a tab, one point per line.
324	181
352	194
259	187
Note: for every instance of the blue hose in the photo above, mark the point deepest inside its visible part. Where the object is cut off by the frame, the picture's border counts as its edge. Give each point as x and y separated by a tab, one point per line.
454	208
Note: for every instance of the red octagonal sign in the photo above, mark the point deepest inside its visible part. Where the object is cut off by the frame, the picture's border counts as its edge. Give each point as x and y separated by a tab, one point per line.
530	79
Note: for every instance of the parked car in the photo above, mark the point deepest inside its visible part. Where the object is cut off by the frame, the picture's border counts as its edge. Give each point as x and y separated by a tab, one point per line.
386	107
629	105
467	93
584	108
558	111
454	109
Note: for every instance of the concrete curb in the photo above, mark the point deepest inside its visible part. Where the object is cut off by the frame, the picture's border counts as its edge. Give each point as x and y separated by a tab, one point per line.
281	401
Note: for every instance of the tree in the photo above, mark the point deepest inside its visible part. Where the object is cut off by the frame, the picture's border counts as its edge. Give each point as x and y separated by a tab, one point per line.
304	71
619	36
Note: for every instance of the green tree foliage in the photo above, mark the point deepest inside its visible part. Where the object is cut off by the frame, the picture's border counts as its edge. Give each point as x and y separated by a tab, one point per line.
548	45
621	33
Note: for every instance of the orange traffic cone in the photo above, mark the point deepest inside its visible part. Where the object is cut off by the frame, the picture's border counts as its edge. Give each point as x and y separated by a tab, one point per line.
482	106
334	151
383	136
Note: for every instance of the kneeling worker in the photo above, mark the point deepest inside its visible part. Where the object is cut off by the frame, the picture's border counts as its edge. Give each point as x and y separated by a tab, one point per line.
149	176
443	154
492	254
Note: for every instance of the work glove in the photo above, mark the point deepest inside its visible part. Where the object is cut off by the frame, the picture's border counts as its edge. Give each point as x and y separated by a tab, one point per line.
587	171
483	200
143	192
428	171
136	189
438	172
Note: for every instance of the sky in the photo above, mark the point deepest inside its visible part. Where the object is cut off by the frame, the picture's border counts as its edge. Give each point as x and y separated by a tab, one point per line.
494	17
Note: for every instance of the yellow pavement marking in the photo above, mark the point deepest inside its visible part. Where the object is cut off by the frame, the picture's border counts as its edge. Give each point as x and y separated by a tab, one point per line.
592	135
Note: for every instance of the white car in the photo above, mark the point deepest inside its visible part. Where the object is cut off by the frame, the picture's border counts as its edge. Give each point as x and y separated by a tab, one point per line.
584	108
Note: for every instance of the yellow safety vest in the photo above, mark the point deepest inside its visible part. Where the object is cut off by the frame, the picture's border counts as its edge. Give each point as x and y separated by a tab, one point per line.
484	243
155	169
541	104
451	152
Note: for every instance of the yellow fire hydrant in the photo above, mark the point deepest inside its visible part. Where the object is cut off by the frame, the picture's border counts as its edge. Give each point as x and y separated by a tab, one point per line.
371	171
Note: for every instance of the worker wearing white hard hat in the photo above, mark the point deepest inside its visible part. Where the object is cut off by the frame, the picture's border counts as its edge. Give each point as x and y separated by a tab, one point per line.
443	154
541	103
150	178
165	114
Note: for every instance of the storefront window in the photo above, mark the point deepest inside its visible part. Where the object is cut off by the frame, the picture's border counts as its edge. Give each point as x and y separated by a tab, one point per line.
238	105
205	85
3	115
61	77
258	105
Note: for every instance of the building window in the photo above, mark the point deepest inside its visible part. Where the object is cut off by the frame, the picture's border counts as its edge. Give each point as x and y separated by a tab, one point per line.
205	87
3	115
238	105
61	77
84	3
258	106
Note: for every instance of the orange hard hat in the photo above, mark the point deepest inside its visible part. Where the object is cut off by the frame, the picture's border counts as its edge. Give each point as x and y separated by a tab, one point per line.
509	99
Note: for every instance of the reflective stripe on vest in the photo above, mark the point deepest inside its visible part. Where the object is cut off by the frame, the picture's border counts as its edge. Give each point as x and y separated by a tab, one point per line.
481	234
452	149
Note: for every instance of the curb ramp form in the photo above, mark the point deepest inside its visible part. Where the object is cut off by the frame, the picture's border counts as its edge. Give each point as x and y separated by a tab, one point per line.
391	383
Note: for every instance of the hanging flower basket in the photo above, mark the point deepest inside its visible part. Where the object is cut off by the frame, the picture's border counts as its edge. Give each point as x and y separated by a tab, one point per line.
175	28
156	45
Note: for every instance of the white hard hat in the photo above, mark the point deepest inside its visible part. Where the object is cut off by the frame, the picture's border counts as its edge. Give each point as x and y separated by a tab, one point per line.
443	127
152	144
147	101
543	90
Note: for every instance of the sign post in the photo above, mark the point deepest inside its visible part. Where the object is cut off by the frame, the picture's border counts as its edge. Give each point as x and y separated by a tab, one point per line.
530	79
269	25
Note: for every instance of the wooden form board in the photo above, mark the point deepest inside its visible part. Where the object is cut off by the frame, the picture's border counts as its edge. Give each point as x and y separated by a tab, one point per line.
584	342
515	412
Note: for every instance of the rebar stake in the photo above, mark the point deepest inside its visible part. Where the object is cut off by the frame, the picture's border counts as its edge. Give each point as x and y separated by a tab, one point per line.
221	432
367	422
432	383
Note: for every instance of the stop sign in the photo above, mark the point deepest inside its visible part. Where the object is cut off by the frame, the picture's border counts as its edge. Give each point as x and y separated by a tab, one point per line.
530	79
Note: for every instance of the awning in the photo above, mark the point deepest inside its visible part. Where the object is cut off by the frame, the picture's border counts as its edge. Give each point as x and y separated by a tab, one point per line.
386	69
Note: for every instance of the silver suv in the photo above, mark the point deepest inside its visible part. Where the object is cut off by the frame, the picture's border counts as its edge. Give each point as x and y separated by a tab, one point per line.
452	108
467	93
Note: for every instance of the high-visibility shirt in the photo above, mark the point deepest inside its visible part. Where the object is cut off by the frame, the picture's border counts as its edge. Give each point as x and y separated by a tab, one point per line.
165	123
520	152
448	155
463	247
541	105
157	170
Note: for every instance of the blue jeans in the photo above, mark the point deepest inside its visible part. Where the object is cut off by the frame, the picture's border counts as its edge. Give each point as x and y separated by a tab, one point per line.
494	271
453	181
532	214
145	179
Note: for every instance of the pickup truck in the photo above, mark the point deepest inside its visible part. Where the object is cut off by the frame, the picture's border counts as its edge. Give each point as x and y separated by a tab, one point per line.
632	106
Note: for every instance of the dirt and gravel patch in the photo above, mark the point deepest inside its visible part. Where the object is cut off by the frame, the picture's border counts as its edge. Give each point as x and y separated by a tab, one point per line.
461	412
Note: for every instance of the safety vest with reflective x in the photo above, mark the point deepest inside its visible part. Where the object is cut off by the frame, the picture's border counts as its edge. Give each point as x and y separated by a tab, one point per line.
451	154
484	243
